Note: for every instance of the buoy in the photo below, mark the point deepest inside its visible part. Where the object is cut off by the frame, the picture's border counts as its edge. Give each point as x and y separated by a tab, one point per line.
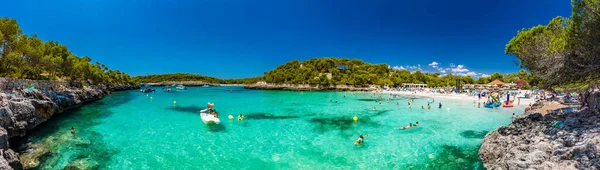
355	118
174	102
230	117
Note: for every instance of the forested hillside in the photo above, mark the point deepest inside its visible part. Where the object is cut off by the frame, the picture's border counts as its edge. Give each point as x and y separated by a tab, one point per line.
157	78
357	72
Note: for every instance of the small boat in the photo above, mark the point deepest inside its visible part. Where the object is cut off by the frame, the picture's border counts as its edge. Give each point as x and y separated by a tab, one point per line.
492	104
180	87
507	104
209	119
147	90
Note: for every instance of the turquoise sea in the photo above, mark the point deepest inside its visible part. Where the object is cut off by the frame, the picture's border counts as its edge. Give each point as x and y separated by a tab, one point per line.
282	130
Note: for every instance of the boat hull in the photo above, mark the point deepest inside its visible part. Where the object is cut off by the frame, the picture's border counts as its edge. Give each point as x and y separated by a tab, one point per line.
209	119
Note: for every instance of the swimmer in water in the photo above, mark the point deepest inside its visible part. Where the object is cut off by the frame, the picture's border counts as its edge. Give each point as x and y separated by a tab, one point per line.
240	117
374	108
397	104
407	127
73	129
440	105
417	124
380	103
428	106
360	139
422	107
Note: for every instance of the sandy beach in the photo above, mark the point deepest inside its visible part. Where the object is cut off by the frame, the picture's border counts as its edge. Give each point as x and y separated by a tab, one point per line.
452	96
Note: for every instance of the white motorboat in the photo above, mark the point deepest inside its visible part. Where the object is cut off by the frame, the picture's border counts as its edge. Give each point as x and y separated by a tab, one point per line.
209	119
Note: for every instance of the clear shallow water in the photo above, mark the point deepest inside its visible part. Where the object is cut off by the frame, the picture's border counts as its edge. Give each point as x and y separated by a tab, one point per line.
283	130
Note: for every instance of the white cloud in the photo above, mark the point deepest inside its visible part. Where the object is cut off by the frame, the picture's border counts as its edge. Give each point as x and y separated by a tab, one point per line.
434	64
471	74
452	65
442	71
459	69
411	67
398	68
484	75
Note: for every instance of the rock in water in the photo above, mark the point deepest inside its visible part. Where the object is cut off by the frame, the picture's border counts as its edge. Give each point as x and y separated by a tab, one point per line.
82	164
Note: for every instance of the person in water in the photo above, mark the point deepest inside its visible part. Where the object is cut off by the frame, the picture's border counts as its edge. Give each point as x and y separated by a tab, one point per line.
240	117
374	108
73	129
397	104
428	106
360	139
417	123
440	105
422	107
407	127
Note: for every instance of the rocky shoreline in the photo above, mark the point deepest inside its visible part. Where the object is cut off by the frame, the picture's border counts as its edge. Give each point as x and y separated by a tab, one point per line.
554	140
22	110
307	87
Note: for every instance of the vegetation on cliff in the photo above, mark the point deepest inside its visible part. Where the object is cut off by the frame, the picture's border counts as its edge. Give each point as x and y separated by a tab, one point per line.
157	78
566	52
29	57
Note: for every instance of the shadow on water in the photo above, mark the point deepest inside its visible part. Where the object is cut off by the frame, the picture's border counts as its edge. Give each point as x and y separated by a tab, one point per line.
453	157
473	134
340	123
380	112
217	128
186	109
261	116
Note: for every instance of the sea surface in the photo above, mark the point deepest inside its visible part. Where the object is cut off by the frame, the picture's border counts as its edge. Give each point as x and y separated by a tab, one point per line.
282	130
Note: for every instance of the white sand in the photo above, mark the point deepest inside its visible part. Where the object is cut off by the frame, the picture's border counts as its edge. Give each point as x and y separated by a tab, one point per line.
453	96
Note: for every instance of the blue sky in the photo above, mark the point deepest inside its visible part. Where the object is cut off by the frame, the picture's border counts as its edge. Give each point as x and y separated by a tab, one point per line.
233	39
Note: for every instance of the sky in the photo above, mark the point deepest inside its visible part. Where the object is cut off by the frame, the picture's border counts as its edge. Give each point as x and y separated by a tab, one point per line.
244	38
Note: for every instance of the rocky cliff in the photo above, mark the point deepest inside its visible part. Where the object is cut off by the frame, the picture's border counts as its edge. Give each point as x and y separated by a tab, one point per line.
556	140
23	109
306	87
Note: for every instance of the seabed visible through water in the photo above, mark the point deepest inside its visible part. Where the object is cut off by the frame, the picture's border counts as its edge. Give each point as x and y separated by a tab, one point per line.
282	130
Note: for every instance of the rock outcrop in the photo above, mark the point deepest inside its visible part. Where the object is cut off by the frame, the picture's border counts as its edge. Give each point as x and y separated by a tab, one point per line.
23	110
307	87
552	141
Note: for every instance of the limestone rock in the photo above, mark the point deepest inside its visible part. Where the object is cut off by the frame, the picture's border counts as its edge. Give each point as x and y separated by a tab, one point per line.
13	159
532	142
82	164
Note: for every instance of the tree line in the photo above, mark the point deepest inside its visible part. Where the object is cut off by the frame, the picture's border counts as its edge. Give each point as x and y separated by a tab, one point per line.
29	57
359	73
566	51
176	77
338	71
